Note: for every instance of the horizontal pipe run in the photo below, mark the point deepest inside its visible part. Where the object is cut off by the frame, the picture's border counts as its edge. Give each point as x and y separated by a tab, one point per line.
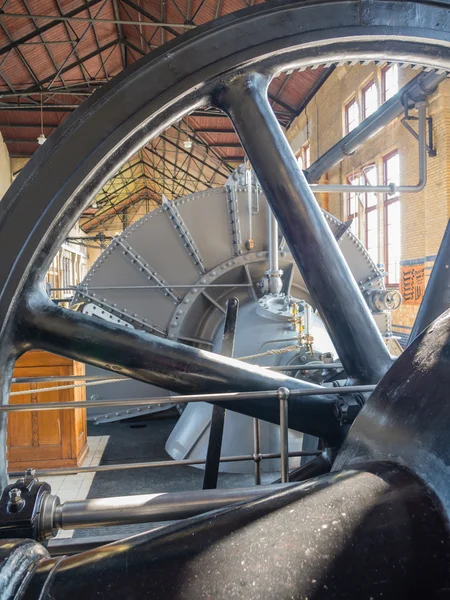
128	510
94	20
391	188
160	463
382	189
152	287
348	187
417	90
221	397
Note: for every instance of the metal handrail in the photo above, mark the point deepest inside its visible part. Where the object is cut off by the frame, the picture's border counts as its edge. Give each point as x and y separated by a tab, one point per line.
181	399
161	463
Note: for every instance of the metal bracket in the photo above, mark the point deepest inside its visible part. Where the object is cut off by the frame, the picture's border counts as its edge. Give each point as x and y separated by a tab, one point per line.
342	229
181	227
432	152
20	507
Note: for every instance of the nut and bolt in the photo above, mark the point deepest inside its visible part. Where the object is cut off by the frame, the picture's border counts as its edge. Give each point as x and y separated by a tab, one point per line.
15	496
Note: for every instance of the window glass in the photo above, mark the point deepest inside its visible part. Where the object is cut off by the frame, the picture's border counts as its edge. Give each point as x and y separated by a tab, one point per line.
371	199
304	157
351	116
307	156
392	220
393	223
370	176
372	234
392	170
370	99
390	81
353	204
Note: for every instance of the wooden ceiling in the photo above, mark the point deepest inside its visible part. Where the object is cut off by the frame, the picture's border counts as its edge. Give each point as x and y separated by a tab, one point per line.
55	53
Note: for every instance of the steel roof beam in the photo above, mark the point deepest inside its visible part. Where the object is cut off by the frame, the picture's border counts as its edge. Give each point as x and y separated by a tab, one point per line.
93	20
38	31
71	66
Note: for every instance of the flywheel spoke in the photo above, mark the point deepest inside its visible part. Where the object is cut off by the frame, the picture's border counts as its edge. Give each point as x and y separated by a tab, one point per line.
319	258
174	366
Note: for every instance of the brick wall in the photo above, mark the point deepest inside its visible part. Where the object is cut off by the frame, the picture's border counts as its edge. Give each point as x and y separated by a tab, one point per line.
424	215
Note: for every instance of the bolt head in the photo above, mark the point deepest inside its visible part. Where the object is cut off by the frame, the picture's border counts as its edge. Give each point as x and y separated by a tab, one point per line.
15	496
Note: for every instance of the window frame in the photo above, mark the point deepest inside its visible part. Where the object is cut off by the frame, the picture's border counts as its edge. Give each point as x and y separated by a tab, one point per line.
364	90
356	176
353	100
303	154
369	209
384	70
387	202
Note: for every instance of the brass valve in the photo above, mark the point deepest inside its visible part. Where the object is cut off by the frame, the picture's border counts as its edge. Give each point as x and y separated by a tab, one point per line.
304	339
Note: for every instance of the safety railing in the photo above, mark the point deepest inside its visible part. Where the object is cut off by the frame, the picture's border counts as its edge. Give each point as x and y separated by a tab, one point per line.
282	394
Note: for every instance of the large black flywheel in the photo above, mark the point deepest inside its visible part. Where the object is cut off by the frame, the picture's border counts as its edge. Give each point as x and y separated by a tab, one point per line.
375	528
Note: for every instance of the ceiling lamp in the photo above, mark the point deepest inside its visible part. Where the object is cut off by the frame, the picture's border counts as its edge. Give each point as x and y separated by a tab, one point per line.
187	144
41	138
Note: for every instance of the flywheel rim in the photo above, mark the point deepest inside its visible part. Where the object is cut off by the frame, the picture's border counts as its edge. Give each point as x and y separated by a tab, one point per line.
38	210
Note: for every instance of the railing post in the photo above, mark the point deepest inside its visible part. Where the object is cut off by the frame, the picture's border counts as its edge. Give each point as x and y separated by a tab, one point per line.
257	451
283	397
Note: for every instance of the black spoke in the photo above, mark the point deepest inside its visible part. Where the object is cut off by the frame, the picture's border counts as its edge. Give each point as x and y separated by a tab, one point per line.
329	280
174	366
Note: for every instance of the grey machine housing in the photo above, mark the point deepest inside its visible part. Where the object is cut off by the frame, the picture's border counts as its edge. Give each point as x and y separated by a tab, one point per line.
172	272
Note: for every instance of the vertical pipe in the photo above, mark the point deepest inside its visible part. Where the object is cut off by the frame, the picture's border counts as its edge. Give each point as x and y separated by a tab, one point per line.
283	396
418	88
257	450
274	273
273	242
422	140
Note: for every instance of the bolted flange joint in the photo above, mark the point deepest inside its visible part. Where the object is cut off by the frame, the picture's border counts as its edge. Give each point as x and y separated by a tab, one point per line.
347	409
22	507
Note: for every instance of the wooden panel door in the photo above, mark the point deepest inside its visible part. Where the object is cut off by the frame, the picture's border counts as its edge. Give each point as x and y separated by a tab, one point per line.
50	438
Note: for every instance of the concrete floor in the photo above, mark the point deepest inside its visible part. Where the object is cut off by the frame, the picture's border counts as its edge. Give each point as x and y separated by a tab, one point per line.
132	442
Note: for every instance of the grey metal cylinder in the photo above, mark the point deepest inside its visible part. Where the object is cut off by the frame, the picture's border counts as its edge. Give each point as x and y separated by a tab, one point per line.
147	508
